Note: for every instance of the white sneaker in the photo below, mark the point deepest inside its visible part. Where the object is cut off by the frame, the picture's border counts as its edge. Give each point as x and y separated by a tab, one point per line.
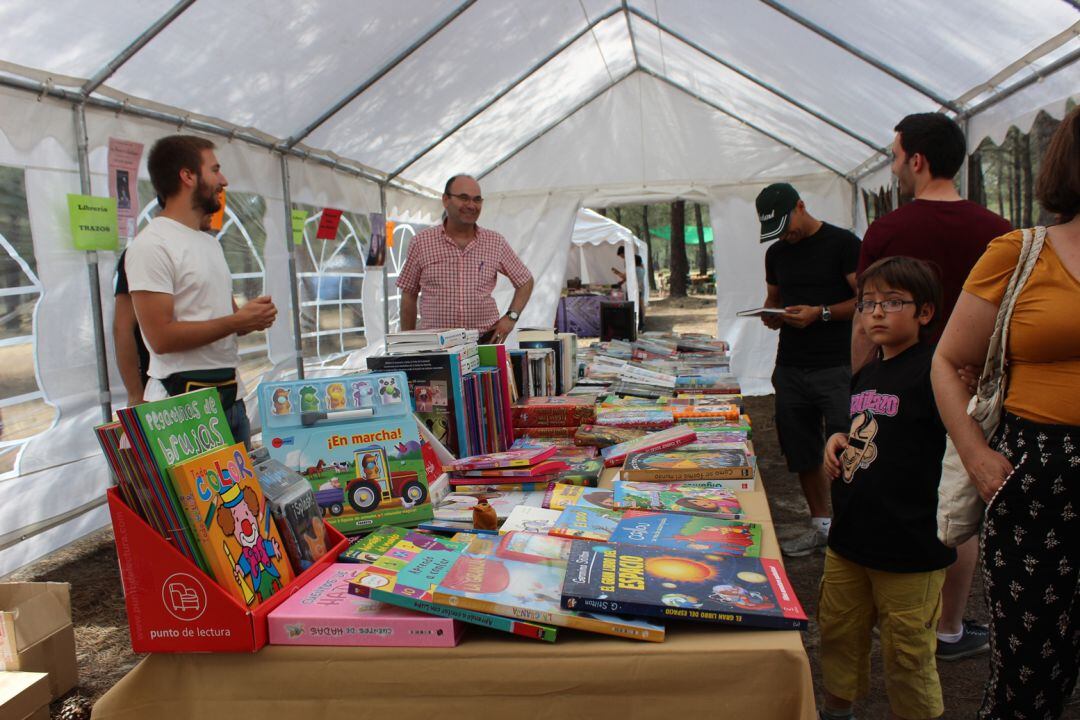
802	545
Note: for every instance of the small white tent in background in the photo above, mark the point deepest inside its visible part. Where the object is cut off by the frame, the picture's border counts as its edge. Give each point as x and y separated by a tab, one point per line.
595	251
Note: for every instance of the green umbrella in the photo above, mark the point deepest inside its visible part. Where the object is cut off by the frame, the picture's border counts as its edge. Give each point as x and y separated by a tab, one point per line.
690	231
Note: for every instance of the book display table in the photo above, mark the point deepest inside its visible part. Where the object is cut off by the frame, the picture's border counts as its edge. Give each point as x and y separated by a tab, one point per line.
699	671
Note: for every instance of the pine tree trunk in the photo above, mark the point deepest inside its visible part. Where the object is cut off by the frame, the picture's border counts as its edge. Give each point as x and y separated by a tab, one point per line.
648	245
1017	194
618	215
1000	173
1028	183
679	265
602	211
1041	132
702	254
976	190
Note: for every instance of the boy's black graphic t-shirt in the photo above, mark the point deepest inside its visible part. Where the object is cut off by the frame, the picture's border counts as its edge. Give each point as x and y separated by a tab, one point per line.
885	500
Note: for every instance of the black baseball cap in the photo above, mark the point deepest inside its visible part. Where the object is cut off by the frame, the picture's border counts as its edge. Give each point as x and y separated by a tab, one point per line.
774	206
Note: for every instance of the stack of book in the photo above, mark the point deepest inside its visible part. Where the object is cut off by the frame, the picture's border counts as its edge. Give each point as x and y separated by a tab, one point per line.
551	417
458	341
513	467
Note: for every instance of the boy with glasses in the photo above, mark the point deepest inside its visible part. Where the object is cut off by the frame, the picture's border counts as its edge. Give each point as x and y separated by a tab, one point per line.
885	565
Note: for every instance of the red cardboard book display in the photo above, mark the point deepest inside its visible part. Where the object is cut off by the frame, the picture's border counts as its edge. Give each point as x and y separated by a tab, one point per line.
173	606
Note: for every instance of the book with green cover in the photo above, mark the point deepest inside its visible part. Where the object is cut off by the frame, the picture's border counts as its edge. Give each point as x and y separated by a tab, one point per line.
408	572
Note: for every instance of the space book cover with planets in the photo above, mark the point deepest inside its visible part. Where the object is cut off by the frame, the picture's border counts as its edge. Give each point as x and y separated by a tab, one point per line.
700	587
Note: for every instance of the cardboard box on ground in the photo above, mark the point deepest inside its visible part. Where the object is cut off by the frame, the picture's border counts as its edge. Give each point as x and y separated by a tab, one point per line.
24	696
36	634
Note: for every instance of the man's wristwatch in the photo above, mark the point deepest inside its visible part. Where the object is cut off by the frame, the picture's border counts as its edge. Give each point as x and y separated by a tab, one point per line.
513	315
826	314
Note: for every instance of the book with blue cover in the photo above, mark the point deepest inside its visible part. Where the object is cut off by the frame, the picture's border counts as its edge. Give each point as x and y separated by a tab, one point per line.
579	522
664	583
688	532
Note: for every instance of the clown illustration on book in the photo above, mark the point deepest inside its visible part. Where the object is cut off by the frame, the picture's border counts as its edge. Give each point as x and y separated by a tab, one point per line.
254	571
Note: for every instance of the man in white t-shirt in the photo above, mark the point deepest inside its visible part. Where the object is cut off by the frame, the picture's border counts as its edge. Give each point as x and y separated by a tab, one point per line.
181	287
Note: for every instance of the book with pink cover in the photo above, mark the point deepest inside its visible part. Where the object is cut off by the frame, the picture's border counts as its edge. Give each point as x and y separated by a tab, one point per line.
324	613
508	459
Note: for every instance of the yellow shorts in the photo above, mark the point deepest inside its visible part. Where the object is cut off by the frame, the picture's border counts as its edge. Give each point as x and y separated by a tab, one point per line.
907	607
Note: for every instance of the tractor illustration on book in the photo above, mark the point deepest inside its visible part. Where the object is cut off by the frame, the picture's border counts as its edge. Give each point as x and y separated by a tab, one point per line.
373	485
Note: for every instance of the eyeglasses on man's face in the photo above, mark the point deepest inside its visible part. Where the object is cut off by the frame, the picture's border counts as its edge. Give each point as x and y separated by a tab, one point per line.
462	197
866	307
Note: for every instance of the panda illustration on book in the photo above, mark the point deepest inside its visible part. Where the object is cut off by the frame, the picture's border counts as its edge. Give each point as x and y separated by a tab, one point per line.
389	392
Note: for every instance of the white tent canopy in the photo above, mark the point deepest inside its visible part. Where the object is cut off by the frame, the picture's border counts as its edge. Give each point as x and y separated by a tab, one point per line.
368	107
595	251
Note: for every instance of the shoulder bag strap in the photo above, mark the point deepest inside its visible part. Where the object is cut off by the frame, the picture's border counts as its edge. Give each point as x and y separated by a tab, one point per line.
993	373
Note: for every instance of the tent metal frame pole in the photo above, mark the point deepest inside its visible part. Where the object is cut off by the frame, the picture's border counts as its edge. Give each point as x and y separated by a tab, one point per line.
1010	70
1010	90
385	274
864	56
181	121
104	394
630	30
566	116
381	73
854	204
294	290
138	44
965	190
760	83
502	93
743	121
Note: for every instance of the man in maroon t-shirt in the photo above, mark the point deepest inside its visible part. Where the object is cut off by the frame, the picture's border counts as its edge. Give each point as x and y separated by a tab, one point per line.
950	233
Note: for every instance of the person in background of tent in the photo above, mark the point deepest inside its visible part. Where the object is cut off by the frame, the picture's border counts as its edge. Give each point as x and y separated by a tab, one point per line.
1028	472
810	273
950	233
639	272
452	268
132	356
181	287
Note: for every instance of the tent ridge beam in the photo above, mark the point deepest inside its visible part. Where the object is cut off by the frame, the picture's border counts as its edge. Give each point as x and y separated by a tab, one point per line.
382	72
864	56
761	83
1059	64
138	44
630	30
743	121
231	133
502	93
566	116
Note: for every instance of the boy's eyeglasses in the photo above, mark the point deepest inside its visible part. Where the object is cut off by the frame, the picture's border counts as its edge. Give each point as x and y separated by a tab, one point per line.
866	307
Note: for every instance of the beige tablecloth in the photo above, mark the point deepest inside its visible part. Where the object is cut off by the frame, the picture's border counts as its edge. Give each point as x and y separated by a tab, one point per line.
700	671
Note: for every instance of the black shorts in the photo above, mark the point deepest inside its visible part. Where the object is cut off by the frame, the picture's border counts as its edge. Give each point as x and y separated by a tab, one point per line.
811	404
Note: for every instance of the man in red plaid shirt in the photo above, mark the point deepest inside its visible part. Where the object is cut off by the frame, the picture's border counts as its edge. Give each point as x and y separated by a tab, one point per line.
453	268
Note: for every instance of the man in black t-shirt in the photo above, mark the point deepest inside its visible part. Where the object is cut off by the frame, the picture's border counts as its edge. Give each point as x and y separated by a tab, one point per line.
132	356
811	274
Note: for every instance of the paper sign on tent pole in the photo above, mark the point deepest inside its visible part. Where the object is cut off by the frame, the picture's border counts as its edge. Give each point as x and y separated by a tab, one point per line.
93	222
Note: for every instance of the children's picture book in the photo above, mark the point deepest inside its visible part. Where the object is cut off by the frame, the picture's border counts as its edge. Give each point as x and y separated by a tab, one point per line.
677	465
323	612
372	546
584	472
547	434
560	496
458	506
695	412
665	583
161	434
453	528
644	419
486	578
292	504
674	437
408	573
355	440
546	467
691	533
602	437
579	522
222	499
683	498
529	519
509	459
478	485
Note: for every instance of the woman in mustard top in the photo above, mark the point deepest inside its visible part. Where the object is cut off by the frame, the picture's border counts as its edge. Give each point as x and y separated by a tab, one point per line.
1029	472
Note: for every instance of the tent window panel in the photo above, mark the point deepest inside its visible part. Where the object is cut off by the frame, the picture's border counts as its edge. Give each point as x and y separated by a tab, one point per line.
395	261
23	411
331	282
